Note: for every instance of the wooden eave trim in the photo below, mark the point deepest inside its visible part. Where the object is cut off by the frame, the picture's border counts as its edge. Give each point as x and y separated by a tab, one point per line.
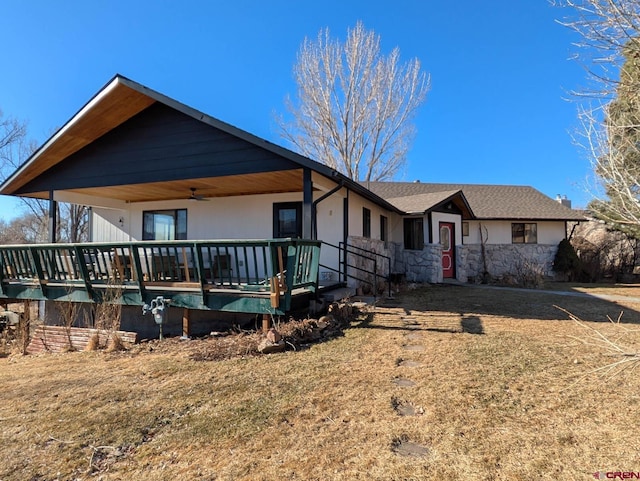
22	175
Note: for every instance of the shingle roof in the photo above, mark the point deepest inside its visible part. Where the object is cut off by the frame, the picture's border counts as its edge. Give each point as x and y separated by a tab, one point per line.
486	201
420	203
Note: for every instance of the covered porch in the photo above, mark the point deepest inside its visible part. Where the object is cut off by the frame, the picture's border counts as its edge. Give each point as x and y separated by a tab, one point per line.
241	276
177	199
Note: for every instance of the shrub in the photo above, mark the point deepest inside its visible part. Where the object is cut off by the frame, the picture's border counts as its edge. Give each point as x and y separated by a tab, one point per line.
566	260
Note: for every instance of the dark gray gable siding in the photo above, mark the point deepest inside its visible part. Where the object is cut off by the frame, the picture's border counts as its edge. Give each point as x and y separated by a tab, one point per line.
448	207
159	144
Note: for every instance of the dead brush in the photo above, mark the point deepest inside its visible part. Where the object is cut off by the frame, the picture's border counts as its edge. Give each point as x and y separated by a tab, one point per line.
23	333
115	343
107	316
628	357
108	312
94	343
4	342
68	312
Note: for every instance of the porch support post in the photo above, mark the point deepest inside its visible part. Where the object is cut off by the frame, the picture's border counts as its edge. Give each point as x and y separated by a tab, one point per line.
345	218
345	234
53	218
307	203
186	327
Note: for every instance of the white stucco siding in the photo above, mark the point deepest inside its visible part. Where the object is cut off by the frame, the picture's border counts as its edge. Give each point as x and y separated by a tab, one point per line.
551	232
356	205
396	228
438	217
248	217
499	232
330	215
242	217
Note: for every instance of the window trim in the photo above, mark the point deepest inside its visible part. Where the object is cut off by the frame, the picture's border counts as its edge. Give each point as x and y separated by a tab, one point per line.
409	230
384	228
277	206
366	222
177	234
524	232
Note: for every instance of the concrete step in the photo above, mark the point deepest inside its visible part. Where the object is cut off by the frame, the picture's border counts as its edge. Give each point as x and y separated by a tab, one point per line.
338	294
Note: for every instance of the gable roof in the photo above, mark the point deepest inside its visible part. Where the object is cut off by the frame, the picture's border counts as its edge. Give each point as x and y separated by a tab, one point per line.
119	102
423	203
488	202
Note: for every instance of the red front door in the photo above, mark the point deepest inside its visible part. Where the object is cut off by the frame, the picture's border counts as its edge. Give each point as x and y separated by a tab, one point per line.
447	241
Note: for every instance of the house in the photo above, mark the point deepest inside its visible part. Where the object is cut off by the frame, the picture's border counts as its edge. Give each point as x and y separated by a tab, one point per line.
184	202
509	228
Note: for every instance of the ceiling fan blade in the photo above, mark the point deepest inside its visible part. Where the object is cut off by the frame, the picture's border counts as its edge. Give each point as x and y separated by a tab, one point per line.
195	196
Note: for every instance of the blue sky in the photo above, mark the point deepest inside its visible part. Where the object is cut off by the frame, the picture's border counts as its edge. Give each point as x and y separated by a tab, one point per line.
498	112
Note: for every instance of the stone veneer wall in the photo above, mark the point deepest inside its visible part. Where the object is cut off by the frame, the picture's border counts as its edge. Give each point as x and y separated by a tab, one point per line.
382	266
426	265
416	266
504	259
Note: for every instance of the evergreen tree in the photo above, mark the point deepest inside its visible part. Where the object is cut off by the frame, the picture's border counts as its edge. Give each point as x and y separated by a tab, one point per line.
618	166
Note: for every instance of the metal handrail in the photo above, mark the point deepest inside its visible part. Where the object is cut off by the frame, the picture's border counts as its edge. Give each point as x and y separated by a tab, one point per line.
344	266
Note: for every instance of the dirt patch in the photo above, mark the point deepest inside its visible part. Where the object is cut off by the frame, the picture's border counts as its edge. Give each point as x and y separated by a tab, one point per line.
408	363
403	447
403	382
405	408
413	336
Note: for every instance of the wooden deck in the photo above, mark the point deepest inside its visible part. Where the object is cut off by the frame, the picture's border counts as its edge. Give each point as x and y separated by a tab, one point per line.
250	276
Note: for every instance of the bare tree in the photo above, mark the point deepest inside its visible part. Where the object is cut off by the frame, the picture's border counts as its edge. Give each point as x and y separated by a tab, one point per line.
32	226
605	28
75	225
354	105
610	112
12	131
24	229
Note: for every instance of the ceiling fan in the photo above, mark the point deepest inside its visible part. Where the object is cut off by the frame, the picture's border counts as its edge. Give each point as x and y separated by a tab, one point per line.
195	196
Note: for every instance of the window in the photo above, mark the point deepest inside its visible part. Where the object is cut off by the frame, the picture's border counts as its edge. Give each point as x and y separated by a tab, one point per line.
465	229
287	219
164	224
384	228
522	233
366	222
414	233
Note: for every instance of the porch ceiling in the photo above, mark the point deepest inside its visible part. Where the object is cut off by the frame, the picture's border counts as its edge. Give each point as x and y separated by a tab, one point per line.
232	185
110	108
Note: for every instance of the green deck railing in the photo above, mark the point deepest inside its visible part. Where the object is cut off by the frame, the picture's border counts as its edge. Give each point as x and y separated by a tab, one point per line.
255	276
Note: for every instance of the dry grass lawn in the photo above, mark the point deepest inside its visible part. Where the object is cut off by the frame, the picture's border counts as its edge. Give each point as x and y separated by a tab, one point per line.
504	388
